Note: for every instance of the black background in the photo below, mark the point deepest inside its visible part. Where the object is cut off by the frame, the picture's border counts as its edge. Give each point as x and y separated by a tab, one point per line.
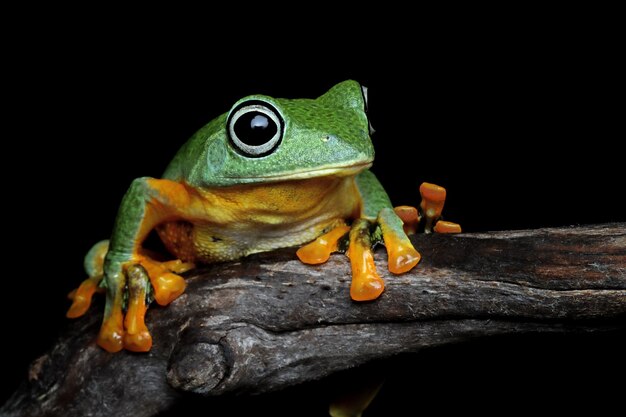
521	128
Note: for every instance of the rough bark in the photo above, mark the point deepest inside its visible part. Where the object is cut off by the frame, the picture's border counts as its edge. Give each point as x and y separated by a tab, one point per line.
268	321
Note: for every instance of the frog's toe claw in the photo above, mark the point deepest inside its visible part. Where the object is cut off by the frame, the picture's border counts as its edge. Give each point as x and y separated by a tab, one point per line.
318	251
447	227
81	297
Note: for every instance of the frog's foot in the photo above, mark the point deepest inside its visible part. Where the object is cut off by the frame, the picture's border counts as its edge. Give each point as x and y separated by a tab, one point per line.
431	207
167	285
128	331
366	284
433	199
319	250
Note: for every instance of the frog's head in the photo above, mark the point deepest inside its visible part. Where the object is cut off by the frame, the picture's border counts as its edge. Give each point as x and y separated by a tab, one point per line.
263	139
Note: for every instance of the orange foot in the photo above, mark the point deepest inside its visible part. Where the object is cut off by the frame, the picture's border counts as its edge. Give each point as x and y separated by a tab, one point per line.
392	227
431	207
141	272
128	331
366	283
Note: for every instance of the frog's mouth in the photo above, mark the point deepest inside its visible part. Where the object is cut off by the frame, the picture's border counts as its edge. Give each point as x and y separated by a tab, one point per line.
335	170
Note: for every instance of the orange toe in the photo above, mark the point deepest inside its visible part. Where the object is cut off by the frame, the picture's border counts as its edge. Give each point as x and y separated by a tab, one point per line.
447	227
366	287
318	251
313	253
111	334
402	259
136	335
167	287
81	297
433	199
410	218
366	283
433	192
138	342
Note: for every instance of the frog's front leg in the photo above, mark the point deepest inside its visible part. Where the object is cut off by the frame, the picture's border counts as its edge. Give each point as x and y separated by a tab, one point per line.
148	203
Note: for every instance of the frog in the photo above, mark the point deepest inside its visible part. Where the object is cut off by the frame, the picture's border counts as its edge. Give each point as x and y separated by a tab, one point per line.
269	173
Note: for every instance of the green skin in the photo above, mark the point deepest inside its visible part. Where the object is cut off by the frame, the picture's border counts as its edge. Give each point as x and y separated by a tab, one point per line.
208	160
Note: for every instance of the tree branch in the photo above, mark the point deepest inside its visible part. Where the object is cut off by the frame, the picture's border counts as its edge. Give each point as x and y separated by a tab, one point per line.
268	321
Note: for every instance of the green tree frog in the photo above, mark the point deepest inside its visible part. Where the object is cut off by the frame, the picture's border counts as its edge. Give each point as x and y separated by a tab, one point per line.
270	173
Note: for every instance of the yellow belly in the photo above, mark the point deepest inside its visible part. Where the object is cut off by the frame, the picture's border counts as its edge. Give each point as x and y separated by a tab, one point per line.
240	220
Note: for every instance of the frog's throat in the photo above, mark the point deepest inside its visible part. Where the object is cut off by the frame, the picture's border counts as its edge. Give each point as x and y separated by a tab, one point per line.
338	170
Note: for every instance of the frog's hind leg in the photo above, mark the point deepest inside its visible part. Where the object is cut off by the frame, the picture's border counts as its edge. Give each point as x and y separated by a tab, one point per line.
81	297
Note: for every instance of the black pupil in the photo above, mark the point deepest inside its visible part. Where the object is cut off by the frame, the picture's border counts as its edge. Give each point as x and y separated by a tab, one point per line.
255	128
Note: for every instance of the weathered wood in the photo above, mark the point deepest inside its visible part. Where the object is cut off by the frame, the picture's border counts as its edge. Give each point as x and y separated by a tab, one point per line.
268	321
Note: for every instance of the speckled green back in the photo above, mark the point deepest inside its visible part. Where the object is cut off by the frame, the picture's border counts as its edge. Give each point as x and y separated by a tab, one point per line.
327	132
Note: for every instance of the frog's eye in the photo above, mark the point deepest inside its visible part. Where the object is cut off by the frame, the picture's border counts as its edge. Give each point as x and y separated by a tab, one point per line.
369	123
364	92
255	128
